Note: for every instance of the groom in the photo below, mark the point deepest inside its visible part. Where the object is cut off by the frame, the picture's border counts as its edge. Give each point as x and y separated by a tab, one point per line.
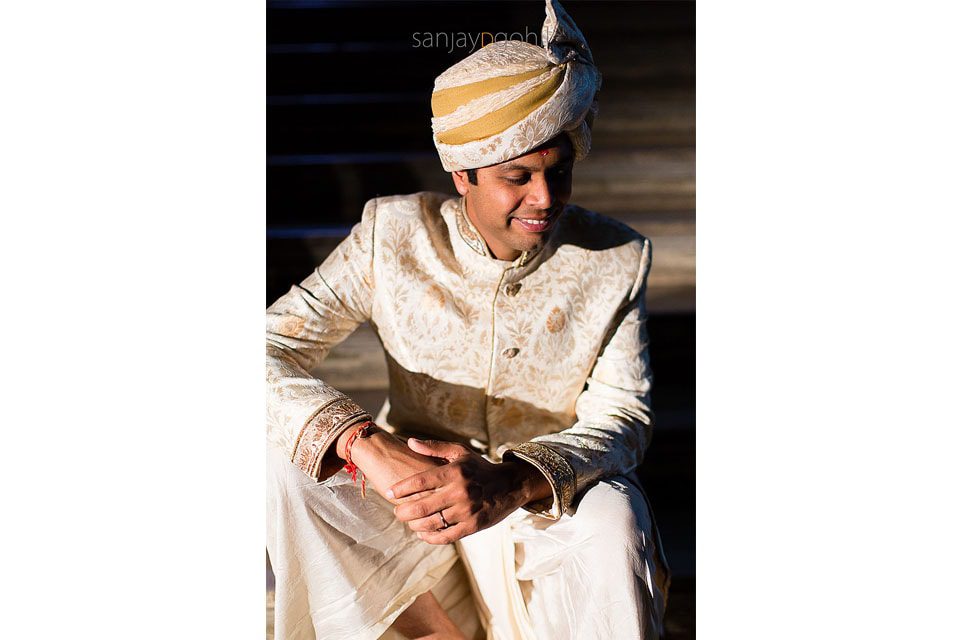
514	327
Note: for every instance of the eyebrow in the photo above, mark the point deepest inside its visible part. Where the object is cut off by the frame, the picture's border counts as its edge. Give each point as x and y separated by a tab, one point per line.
519	166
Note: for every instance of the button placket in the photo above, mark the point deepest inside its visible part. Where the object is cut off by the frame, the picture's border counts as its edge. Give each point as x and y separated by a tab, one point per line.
495	401
496	350
511	290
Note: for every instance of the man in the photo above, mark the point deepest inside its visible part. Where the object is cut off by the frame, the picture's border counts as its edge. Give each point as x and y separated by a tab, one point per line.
514	331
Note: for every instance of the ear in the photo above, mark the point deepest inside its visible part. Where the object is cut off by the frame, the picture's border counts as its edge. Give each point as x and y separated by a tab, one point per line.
461	182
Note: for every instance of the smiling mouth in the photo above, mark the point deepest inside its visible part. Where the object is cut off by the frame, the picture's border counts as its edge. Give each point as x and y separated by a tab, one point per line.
538	224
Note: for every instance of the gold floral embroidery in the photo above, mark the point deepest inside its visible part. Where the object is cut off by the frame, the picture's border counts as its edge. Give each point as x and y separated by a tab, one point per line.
435	296
290	326
556	321
407	263
319	432
457	410
467	233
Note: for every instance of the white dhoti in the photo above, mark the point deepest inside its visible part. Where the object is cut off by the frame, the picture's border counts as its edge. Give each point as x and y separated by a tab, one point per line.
346	568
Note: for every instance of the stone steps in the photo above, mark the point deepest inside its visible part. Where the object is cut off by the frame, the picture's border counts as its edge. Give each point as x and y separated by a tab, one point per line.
631	115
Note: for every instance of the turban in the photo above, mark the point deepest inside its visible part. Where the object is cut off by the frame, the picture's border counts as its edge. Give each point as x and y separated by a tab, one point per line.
512	96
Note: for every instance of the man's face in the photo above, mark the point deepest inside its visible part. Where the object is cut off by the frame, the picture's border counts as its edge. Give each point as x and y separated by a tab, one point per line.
515	204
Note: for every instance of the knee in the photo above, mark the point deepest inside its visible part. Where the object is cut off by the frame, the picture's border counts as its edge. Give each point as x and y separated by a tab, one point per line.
615	520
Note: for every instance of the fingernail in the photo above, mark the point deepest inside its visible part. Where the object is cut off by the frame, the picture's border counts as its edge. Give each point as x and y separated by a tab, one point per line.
390	494
414	440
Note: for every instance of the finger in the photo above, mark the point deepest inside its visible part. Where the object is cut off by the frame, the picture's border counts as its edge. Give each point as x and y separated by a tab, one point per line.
422	508
413	496
423	481
447	536
432	523
437	448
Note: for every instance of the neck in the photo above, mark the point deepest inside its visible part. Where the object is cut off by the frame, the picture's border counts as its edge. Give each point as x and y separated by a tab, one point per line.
507	254
498	251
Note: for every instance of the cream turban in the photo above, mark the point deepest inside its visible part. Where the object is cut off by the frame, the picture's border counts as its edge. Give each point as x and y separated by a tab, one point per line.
512	96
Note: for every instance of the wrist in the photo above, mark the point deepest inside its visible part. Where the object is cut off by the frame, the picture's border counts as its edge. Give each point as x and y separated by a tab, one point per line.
373	445
344	438
527	483
342	443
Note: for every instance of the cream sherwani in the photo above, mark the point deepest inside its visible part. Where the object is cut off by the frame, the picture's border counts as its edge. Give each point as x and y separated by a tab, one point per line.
543	359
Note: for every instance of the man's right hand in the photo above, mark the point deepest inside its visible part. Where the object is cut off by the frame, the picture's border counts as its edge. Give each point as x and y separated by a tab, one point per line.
385	460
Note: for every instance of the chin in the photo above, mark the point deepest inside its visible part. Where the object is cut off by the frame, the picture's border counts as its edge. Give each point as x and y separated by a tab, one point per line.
530	245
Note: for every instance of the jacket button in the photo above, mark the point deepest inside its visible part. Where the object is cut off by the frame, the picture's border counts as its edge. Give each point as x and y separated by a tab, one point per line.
511	352
512	289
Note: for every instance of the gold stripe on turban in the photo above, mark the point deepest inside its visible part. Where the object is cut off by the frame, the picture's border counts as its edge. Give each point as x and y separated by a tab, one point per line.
446	101
499	120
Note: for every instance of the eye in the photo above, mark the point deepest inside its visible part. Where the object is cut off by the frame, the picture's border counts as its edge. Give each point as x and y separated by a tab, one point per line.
518	180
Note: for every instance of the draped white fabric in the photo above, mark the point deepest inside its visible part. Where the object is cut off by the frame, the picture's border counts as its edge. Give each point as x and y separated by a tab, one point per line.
346	568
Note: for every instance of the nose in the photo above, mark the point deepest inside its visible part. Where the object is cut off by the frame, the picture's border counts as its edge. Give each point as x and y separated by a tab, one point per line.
540	195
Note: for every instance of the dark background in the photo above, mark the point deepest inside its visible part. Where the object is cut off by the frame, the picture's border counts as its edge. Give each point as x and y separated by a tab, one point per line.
348	119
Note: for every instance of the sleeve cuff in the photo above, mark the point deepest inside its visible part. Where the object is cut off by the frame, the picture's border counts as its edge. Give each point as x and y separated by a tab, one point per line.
555	469
322	431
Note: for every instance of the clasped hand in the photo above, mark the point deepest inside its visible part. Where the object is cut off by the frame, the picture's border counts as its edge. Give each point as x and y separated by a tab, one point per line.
471	492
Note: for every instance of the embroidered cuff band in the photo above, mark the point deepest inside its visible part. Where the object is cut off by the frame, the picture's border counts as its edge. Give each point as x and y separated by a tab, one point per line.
556	469
322	430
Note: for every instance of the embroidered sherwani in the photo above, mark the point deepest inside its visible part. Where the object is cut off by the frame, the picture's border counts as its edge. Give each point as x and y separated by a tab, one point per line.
543	358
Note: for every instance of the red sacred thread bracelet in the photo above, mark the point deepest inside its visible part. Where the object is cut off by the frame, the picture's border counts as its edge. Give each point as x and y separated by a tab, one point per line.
362	431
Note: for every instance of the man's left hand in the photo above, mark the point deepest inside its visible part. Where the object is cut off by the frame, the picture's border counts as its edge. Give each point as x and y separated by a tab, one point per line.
472	493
